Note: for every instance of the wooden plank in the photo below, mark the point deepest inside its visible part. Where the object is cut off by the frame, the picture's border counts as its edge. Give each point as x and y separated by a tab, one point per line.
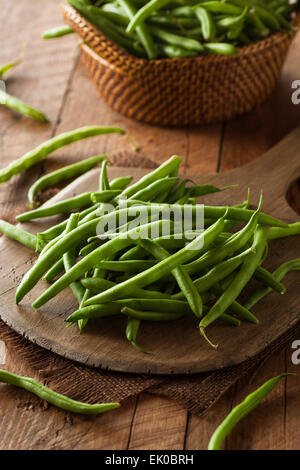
159	424
250	136
41	81
200	428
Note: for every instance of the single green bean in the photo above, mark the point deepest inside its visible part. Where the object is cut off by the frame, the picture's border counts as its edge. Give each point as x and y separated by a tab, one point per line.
207	24
18	234
57	32
150	316
132	328
240	411
43	150
100	285
56	399
143	13
63	174
68	205
19	106
279	273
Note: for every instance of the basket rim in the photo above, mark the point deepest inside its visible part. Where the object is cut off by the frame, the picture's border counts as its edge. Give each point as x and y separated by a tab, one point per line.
244	51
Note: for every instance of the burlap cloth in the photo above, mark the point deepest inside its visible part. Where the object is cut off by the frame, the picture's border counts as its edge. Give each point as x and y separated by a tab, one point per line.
195	392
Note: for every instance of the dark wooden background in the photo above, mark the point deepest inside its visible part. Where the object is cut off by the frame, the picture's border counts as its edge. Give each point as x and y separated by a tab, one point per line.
53	79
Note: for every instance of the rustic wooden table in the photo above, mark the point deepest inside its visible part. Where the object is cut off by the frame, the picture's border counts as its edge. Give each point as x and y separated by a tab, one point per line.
53	79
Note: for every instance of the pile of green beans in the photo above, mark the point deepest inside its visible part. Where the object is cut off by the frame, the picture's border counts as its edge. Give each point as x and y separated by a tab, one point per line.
179	28
138	270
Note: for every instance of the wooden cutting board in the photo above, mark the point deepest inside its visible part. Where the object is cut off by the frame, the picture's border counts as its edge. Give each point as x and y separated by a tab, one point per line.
176	346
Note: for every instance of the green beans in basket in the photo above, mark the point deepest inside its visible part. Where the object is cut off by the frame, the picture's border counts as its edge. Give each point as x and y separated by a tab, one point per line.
162	28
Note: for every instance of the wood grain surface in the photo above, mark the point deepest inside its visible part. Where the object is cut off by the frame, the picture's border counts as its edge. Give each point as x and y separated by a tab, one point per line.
53	79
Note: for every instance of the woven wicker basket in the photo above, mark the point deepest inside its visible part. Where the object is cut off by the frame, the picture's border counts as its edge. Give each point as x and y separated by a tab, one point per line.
181	91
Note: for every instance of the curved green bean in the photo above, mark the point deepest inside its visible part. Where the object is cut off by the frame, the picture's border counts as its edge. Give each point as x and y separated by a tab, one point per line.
43	150
279	274
242	410
20	107
56	399
63	174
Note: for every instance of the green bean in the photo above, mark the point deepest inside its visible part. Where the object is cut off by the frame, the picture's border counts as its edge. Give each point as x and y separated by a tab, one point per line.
233	22
63	174
243	276
53	272
141	30
107	27
266	278
19	106
235	306
279	274
100	285
132	328
220	7
163	267
276	232
150	316
166	169
6	67
266	16
242	410
131	266
176	40
217	273
67	205
57	32
103	180
83	266
56	399
151	191
143	13
90	247
215	212
43	150
173	51
120	183
206	21
182	277
220	48
18	234
69	260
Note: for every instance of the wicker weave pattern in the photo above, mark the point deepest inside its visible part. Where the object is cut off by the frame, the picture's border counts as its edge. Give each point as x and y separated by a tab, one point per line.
184	91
